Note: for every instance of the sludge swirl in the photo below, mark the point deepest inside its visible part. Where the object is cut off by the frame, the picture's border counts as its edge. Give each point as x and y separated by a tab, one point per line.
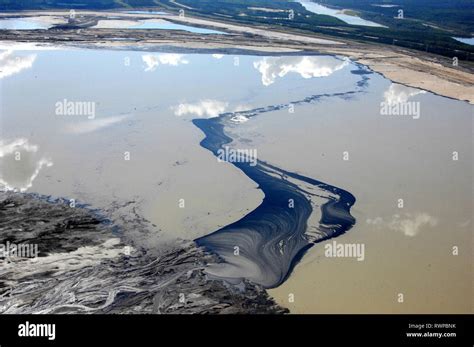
266	244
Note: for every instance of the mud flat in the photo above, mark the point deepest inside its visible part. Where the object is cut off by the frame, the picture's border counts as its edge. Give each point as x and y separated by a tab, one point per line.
81	268
271	237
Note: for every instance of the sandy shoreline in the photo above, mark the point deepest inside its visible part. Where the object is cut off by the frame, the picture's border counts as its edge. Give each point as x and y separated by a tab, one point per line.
424	71
416	69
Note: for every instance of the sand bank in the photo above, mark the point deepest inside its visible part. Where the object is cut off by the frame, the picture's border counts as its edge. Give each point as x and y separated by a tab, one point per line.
416	69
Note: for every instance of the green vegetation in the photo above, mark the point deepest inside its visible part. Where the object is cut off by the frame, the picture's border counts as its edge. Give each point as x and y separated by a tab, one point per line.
408	32
351	13
457	15
428	25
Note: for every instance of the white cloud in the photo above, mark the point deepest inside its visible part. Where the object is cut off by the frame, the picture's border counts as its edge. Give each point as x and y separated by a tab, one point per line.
239	119
89	126
11	64
203	108
410	225
29	46
153	61
20	164
9	148
398	93
306	67
375	221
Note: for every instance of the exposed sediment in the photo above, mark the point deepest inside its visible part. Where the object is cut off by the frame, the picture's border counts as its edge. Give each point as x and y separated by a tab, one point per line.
83	267
266	244
412	68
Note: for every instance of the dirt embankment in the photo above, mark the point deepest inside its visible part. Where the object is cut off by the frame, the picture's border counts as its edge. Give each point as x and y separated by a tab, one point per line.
413	68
